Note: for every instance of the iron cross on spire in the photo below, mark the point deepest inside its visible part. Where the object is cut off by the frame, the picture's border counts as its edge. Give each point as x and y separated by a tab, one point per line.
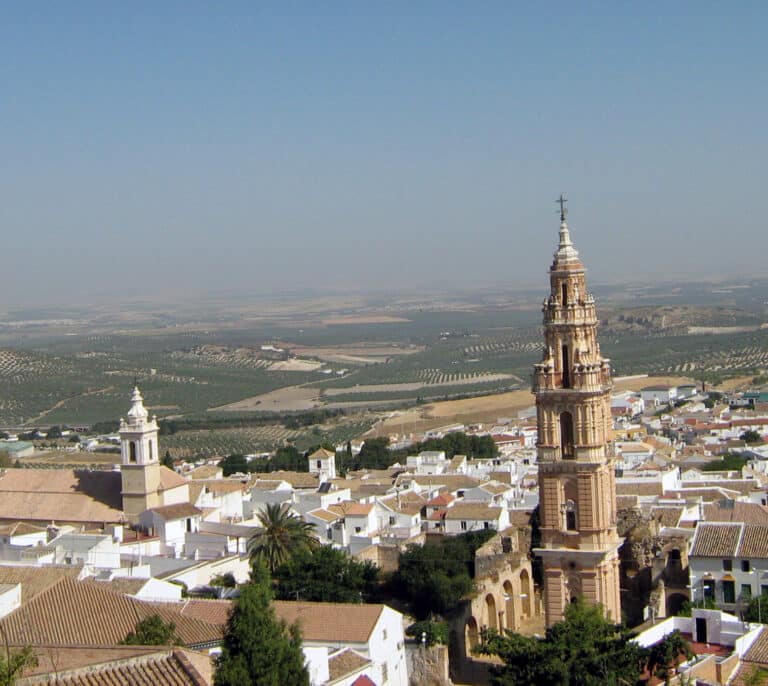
561	201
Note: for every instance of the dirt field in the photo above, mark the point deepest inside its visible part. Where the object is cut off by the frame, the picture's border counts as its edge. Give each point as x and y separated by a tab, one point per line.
295	366
414	386
363	319
354	353
488	408
289	399
737	383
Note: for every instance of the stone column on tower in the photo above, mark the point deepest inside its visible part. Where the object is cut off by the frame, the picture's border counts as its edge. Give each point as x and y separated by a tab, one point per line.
577	492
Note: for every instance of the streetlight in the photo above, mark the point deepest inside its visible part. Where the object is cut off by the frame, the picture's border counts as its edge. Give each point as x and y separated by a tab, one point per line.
692	588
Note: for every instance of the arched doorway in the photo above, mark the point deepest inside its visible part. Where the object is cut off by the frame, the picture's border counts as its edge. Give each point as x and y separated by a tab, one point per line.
491	618
509	605
526	592
472	635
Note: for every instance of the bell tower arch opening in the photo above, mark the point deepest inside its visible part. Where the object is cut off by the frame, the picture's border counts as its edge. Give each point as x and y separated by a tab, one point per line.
566	436
566	367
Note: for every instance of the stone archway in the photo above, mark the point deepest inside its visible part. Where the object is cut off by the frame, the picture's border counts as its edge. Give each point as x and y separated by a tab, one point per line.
526	593
491	616
509	605
675	603
471	635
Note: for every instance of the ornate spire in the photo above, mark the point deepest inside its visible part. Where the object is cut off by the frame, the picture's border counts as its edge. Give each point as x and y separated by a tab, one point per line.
138	413
565	251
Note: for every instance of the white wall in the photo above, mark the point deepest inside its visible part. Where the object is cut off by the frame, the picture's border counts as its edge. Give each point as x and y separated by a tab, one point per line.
387	645
10	600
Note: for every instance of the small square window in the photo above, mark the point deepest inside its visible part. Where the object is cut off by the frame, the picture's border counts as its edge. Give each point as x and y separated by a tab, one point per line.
727	565
745	566
463	526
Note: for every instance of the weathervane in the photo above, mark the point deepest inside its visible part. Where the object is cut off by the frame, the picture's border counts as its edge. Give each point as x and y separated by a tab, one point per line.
561	201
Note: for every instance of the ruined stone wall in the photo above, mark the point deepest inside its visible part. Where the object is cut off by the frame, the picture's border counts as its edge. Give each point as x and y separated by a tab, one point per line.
427	666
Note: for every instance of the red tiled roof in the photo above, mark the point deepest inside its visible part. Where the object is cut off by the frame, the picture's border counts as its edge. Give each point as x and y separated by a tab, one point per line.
73	613
331	622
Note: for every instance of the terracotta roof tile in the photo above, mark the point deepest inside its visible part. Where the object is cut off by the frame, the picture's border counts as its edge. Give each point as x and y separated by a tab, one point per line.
351	509
125	585
758	651
176	511
644	487
716	540
473	511
206	471
325	515
322	454
211	611
667	516
346	663
35	580
296	479
331	622
170	478
60	495
73	613
453	482
170	668
754	541
736	511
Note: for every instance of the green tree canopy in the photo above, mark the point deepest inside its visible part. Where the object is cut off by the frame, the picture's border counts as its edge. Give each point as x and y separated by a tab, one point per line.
153	631
167	460
226	580
583	650
258	648
664	657
288	458
282	534
751	436
327	575
757	610
435	577
729	462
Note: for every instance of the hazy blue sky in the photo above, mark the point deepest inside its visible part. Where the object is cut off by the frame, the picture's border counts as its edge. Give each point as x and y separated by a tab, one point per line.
189	146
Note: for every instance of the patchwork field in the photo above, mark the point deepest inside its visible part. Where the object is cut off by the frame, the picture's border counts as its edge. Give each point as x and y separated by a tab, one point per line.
222	442
207	360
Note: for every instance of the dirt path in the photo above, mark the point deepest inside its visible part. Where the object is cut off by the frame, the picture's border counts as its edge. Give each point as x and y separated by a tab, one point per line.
35	420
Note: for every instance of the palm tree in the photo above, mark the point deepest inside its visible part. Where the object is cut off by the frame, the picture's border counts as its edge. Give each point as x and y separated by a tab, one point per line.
281	534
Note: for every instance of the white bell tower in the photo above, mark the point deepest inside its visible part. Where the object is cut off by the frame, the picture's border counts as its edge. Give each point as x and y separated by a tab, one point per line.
140	467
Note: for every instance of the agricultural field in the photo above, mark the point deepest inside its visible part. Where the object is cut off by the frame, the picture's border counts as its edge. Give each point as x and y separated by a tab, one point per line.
194	366
223	442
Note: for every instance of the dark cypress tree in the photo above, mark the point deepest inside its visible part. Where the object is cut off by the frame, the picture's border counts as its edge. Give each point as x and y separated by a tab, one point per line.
259	649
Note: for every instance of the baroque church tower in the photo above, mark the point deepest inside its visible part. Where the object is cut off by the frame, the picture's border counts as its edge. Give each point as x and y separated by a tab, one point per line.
577	490
140	466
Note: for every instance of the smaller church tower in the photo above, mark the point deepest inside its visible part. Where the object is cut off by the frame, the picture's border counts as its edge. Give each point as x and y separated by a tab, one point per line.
140	467
323	463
